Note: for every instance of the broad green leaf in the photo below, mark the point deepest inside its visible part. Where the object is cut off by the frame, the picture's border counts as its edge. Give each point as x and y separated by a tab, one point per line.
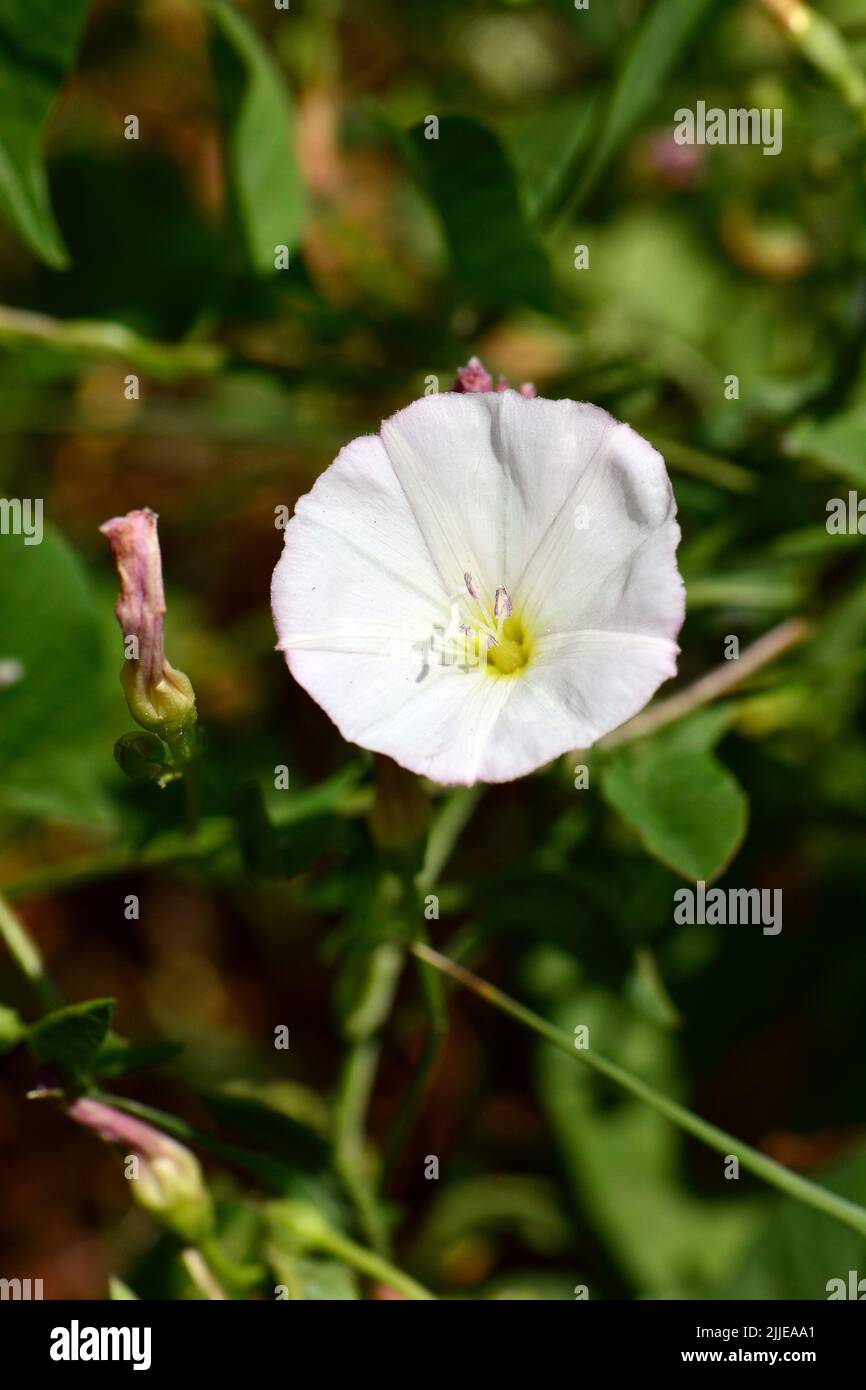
652	271
265	178
53	688
625	1161
688	810
118	1057
838	444
497	259
57	788
833	656
287	808
72	1036
698	732
507	1205
303	1104
544	146
660	41
798	1251
38	43
289	1137
646	990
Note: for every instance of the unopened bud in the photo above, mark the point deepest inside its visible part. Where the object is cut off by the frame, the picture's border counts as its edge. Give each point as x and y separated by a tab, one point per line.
160	698
169	1184
475	377
143	757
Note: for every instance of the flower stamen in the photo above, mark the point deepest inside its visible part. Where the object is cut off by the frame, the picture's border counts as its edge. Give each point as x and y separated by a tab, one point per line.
497	636
502	605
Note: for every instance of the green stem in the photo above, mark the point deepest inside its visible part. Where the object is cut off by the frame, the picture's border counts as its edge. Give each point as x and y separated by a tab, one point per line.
106	341
212	836
372	1264
446	831
201	1274
436	1013
351	1155
25	953
813	1195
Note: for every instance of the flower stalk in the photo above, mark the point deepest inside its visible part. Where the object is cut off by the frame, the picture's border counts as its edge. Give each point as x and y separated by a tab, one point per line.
305	1230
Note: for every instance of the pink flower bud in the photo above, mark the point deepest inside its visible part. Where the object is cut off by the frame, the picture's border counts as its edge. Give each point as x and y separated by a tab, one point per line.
167	1180
473	377
160	698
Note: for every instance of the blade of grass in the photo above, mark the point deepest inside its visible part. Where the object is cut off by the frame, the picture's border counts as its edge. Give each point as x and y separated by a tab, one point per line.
660	41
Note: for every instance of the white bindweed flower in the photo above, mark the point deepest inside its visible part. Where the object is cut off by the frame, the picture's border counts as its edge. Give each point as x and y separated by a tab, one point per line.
487	583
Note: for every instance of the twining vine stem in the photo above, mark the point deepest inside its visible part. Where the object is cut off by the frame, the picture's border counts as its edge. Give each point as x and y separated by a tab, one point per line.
811	1193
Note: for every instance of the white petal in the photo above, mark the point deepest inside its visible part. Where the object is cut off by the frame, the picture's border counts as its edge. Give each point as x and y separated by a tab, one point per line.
548	452
577	688
355	573
437	722
583	685
442	449
606	559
